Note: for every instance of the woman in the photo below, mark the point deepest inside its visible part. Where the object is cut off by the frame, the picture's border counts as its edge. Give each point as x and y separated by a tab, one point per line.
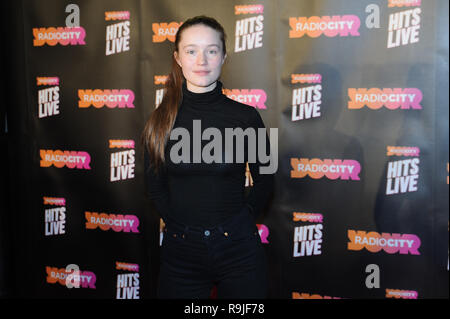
210	236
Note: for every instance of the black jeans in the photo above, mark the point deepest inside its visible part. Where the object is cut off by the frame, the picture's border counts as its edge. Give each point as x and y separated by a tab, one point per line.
229	255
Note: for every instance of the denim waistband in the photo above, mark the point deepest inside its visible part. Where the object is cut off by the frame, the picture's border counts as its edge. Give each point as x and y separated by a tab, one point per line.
202	231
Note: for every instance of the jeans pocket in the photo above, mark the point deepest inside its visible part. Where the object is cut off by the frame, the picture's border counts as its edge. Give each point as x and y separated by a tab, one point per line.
244	237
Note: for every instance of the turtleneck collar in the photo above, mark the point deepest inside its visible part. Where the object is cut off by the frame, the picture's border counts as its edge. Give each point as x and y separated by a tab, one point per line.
203	100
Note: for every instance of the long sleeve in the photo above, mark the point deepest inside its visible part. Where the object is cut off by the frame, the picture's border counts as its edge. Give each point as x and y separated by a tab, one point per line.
157	187
262	183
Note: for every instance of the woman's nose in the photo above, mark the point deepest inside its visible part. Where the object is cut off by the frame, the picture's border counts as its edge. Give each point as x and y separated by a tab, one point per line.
201	59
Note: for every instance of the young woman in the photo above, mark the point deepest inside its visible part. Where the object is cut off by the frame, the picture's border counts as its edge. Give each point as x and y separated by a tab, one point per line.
210	238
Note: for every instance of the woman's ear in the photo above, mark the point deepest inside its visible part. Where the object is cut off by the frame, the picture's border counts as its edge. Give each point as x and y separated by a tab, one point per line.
175	55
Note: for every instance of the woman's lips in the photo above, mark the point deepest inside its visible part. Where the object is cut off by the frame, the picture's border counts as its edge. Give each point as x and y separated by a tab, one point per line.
202	72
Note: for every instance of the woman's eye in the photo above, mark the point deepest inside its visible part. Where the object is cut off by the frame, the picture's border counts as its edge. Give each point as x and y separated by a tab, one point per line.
190	52
212	52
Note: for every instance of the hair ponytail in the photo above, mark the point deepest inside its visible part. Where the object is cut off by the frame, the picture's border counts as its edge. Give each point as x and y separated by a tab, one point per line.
162	119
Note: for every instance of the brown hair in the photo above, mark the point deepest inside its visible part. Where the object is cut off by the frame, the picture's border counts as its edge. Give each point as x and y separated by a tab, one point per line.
162	119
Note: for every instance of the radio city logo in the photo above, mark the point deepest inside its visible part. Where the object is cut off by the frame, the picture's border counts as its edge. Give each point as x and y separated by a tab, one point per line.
308	239
306	78
402	151
331	169
329	26
118	223
306	101
165	31
404	25
59	35
55	218
392	99
402	175
48	98
71	277
128	283
403	3
253	97
122	98
70	159
303	295
390	243
249	31
403	294
117	34
122	163
263	231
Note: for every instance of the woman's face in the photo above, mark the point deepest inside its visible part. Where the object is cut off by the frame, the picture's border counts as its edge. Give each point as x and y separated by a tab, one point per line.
200	57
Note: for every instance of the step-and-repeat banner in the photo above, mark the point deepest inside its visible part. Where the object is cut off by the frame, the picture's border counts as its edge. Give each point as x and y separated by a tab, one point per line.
355	88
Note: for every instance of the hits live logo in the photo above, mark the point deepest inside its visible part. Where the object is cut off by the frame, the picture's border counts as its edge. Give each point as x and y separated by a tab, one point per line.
402	175
48	98
306	102
118	34
159	94
249	31
404	27
308	239
123	162
55	217
128	283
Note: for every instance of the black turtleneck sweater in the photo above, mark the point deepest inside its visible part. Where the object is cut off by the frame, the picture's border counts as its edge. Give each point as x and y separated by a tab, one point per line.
206	194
